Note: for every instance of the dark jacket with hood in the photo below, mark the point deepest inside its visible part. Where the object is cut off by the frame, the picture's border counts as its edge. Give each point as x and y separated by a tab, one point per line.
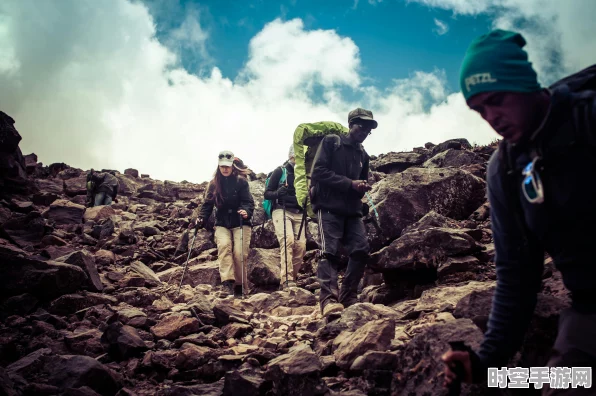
271	191
563	225
106	182
236	196
337	163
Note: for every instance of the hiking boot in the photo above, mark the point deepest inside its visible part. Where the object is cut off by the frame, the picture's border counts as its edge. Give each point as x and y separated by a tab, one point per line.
227	287
238	291
332	308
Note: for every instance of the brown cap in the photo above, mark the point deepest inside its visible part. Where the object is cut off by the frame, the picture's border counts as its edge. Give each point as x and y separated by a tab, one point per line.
363	115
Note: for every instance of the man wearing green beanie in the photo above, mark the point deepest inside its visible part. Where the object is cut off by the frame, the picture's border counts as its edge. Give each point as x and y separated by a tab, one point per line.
541	191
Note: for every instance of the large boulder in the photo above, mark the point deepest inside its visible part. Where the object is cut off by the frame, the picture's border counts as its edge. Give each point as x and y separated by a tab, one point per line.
122	342
422	250
85	261
454	158
174	326
66	372
420	366
54	186
375	335
263	267
64	211
295	373
99	213
196	274
396	162
403	198
13	172
457	144
25	230
43	279
76	186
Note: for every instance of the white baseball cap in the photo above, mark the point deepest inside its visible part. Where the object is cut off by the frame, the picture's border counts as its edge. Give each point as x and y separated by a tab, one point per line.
226	158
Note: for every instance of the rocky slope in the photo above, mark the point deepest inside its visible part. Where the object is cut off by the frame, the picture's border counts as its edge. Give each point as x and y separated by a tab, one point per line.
89	301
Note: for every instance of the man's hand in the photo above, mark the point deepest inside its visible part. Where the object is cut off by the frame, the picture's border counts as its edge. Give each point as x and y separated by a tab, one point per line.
243	213
450	358
361	186
282	192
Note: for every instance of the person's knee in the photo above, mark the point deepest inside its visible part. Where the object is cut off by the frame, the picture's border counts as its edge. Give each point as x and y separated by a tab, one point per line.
224	244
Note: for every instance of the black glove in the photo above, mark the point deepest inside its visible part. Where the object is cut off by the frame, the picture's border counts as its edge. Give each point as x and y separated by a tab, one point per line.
196	224
365	209
282	192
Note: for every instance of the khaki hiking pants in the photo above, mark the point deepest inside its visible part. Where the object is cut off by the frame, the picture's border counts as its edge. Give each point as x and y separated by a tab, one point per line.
229	251
296	249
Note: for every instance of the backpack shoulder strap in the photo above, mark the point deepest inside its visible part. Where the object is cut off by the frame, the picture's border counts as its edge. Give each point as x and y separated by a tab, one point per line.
284	174
511	186
584	114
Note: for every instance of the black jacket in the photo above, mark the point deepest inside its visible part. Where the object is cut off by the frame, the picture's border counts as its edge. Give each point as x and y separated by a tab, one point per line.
273	186
106	182
563	226
236	194
336	164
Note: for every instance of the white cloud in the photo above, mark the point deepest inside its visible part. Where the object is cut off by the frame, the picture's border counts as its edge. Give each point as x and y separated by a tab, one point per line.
190	37
89	84
560	34
441	27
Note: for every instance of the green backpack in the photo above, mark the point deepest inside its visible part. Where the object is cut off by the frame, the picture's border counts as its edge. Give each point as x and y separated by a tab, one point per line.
268	204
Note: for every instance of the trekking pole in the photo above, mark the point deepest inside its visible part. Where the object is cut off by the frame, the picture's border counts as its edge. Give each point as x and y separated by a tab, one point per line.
373	205
458	368
285	242
188	258
303	221
242	244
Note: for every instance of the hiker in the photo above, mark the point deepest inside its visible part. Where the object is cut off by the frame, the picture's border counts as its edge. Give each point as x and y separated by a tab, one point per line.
339	179
242	169
541	196
102	188
229	193
285	209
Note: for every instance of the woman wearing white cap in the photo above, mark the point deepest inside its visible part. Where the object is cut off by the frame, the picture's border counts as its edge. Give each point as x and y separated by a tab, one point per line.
229	193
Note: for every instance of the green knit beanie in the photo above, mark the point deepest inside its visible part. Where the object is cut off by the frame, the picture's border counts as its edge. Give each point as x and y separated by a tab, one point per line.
496	62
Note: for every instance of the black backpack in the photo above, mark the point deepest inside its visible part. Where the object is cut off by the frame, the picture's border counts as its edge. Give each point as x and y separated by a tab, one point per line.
583	84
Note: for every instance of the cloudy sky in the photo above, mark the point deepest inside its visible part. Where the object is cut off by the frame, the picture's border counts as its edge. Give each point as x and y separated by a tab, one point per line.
163	85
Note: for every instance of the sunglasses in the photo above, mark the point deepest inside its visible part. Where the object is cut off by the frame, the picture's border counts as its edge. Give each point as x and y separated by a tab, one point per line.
228	156
364	126
532	185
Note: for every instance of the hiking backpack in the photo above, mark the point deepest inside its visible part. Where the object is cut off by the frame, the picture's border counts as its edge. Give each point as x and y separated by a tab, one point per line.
267	203
582	83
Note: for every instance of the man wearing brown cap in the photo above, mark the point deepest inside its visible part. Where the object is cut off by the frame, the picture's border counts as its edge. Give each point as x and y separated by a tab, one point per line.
339	176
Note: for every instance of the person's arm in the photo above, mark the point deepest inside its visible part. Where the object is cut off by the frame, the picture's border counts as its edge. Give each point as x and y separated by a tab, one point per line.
115	193
519	274
321	169
364	172
247	202
207	207
271	191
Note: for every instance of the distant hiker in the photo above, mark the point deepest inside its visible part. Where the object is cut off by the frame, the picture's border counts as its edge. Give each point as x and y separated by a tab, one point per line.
102	188
90	200
229	193
339	178
285	208
242	169
541	193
